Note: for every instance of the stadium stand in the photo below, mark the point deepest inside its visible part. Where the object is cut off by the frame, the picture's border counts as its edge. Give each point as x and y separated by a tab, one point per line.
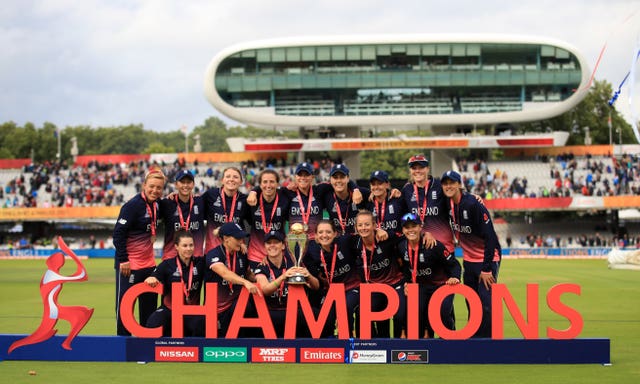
565	176
106	184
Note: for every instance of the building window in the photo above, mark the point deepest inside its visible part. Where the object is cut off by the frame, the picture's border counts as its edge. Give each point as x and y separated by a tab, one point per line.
308	54
338	53
353	52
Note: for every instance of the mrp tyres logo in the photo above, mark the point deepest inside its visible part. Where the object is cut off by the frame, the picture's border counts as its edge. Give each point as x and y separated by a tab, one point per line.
410	357
273	355
177	354
224	355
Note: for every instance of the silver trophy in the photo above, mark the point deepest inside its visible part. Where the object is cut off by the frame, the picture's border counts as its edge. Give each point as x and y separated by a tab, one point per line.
297	240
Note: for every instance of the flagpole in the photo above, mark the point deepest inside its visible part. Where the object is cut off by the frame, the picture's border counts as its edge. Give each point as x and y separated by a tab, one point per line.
59	134
185	130
610	130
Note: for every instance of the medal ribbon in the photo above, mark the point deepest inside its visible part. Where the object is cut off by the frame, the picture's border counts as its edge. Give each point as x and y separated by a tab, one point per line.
152	214
343	222
453	221
367	272
229	215
413	260
184	225
266	228
333	265
421	211
190	279
305	213
380	212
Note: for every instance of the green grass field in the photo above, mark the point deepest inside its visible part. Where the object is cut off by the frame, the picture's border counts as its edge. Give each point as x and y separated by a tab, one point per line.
609	304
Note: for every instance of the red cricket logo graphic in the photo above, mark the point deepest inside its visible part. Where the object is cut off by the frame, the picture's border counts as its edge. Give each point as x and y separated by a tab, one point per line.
50	287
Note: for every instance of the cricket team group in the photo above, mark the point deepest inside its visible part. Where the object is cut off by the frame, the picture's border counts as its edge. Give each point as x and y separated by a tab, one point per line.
345	235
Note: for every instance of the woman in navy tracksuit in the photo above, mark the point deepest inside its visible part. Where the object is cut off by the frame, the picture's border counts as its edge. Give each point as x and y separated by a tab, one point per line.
133	237
473	229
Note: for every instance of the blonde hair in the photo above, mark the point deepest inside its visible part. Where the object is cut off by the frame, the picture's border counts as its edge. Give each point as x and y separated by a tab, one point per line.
155	173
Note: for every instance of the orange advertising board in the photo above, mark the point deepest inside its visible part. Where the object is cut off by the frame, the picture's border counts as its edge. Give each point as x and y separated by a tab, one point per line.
399	144
33	214
626	201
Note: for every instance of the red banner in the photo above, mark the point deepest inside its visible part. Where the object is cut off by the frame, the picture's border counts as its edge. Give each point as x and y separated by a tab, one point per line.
14	163
525	204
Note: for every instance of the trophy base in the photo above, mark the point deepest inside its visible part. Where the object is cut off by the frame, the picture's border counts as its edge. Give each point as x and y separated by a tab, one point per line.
297	279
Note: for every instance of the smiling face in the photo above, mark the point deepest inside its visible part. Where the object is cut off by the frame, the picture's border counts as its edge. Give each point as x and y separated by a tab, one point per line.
269	185
379	189
325	234
231	180
451	188
304	180
274	248
184	187
185	248
153	187
412	232
419	174
364	225
340	182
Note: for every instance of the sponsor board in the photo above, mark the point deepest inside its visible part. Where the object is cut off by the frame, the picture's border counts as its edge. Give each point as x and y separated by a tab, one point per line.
368	356
321	355
273	355
177	354
224	355
410	357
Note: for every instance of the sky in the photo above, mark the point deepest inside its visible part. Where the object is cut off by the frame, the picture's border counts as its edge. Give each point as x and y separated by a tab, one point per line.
109	63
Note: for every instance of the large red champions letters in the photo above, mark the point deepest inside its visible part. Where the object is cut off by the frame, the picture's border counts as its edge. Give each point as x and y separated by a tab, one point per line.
298	300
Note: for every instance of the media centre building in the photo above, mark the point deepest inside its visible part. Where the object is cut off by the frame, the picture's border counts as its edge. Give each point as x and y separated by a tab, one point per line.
339	86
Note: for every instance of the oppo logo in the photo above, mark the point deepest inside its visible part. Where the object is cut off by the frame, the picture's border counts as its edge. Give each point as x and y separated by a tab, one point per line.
227	355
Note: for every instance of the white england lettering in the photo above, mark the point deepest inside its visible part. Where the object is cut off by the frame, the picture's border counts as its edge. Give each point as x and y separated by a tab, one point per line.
462	228
342	270
296	211
380	265
389	225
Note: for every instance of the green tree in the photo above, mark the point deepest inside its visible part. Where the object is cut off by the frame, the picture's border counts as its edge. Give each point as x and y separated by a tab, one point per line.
23	142
158	147
212	135
7	132
394	162
44	142
128	139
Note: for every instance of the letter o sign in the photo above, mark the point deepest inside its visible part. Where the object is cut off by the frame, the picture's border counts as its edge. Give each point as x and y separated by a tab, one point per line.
475	312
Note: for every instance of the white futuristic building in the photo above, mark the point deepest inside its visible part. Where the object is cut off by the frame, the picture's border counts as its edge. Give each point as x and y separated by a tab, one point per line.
340	85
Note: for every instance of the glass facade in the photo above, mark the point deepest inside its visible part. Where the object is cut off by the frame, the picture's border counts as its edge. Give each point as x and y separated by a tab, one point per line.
397	79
